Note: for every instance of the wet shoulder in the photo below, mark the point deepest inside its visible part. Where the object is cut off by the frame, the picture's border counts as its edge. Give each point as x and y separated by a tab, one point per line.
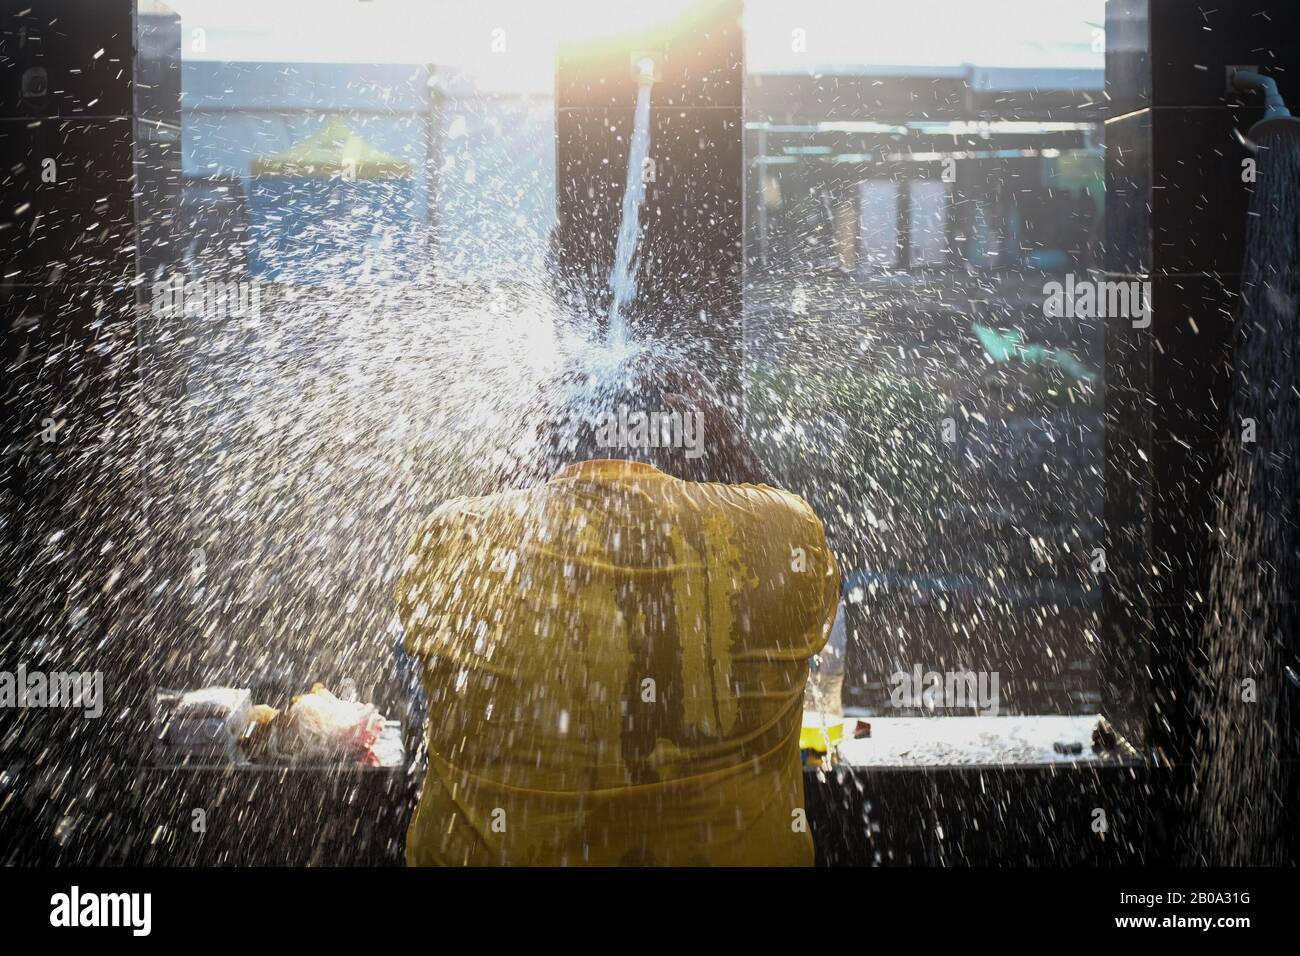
760	503
474	519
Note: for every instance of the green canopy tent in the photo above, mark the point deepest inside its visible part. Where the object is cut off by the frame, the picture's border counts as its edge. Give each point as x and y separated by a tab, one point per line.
333	151
332	207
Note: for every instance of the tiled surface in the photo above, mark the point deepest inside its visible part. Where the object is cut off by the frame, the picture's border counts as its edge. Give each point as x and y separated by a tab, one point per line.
1128	194
80	227
1192	43
1128	64
1173	53
1199	200
83	63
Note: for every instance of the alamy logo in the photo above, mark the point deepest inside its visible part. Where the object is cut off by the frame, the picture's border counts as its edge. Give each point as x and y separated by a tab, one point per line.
935	690
24	688
625	429
1087	299
76	908
175	297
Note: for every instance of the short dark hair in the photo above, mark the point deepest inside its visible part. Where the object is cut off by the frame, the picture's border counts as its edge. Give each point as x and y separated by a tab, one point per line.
585	395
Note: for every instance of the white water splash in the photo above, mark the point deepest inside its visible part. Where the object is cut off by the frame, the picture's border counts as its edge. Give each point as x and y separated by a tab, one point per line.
623	276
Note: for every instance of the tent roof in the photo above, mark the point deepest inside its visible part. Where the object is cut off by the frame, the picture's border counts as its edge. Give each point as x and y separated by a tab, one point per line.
332	150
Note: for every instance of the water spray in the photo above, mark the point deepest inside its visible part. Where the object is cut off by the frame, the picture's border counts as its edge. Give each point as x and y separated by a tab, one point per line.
1251	623
623	276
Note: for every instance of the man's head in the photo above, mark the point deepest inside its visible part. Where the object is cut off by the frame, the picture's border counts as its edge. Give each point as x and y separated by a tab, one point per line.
652	407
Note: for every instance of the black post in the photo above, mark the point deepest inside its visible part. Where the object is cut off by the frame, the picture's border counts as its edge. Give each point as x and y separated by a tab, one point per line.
90	165
689	272
1177	197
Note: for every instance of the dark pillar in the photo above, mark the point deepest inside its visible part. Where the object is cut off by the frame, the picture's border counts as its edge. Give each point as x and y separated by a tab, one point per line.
90	171
689	273
1177	208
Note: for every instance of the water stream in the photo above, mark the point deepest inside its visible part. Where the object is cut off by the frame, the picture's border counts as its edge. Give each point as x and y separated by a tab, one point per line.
623	276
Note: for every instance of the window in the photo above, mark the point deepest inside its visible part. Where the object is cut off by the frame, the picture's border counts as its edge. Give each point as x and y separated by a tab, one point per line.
919	176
